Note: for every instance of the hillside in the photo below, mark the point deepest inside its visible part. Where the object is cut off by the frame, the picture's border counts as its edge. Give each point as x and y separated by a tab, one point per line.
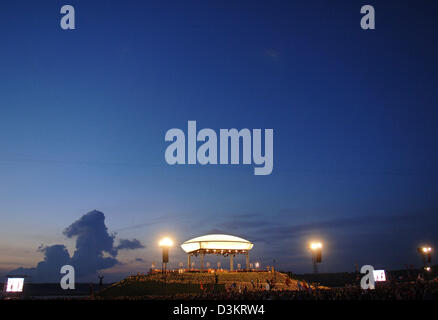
196	283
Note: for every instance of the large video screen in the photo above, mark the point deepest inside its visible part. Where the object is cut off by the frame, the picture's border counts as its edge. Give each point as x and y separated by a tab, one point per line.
15	285
379	275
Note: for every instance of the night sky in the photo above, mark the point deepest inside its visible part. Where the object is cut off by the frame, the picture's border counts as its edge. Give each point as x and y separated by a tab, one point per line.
84	112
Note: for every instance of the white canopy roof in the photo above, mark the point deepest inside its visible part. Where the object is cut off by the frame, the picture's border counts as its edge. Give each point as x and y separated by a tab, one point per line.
216	242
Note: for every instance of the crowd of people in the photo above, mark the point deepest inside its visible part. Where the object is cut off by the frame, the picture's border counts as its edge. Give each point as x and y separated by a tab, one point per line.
389	291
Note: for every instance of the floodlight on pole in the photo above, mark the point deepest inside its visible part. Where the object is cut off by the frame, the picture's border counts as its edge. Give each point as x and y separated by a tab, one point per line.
426	249
165	244
316	248
315	245
426	255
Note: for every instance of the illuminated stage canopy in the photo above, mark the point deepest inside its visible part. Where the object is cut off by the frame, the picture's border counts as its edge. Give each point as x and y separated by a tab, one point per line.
217	244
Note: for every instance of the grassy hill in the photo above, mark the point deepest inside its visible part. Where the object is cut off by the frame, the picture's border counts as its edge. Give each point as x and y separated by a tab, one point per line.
196	283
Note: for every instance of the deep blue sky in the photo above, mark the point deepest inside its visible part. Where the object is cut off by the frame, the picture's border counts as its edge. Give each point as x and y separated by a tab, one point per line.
83	114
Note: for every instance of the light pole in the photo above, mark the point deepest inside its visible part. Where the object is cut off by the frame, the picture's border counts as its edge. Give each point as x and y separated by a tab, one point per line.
165	244
426	255
316	248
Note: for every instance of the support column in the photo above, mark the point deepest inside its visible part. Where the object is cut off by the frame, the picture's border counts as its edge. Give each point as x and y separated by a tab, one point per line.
202	261
315	266
189	262
231	262
247	261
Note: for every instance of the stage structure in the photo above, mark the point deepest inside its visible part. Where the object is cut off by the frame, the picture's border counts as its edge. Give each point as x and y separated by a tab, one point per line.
219	244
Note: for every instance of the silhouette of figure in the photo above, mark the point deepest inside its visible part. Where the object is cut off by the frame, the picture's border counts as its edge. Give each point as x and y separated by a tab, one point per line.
100	280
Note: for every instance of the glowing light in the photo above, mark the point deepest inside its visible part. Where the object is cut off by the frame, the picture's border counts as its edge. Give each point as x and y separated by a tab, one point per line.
15	285
315	245
166	242
426	249
379	275
220	242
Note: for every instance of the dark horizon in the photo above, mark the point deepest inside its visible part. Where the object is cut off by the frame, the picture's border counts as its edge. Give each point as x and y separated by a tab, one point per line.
84	114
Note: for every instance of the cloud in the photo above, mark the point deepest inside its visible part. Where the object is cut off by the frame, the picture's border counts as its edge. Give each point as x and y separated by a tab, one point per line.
94	251
92	241
349	239
151	222
129	244
369	224
235	224
54	258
